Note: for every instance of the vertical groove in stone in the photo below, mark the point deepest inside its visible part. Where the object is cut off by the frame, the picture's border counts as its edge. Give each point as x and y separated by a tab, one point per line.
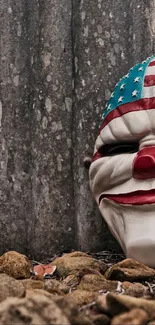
52	227
14	126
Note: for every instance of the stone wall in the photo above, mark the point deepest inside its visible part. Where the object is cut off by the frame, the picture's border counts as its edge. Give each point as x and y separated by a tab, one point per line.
59	61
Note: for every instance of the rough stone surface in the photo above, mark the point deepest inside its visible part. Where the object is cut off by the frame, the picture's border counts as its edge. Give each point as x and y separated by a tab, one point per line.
94	282
36	177
32	310
32	284
40	292
117	304
136	316
16	265
83	297
56	287
134	289
71	264
10	287
69	307
102	305
71	280
130	270
100	319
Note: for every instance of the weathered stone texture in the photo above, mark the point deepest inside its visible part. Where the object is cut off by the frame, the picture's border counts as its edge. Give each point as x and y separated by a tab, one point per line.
52	225
59	61
36	209
15	187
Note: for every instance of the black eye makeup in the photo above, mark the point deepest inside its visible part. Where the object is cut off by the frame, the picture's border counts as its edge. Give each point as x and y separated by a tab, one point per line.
119	148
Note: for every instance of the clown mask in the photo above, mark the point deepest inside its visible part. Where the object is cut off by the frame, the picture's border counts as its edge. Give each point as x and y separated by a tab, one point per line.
122	173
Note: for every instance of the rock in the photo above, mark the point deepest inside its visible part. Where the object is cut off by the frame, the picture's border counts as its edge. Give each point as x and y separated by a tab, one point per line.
95	282
129	270
135	316
31	310
101	319
10	287
82	319
86	270
82	297
101	304
134	289
32	284
74	262
71	280
117	304
30	293
69	307
76	254
56	287
16	265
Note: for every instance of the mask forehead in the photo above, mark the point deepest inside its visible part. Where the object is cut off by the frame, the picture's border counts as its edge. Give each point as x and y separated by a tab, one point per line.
132	87
131	108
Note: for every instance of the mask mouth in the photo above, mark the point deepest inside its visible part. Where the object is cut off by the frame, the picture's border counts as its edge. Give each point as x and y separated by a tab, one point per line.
134	198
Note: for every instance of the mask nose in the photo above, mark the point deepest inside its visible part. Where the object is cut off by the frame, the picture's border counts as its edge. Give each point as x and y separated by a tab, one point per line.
144	164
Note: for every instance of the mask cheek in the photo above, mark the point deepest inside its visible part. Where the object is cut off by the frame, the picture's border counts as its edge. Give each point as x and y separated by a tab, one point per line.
107	173
114	219
133	227
122	168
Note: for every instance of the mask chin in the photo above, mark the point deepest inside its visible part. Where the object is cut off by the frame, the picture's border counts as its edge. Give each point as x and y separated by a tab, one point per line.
133	227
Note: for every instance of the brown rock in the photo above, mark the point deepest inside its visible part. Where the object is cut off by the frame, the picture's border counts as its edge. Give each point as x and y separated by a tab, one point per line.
86	270
134	289
94	282
71	280
56	287
74	262
135	316
76	254
101	304
100	319
16	265
32	284
10	287
120	303
82	319
30	293
69	307
129	270
32	310
81	297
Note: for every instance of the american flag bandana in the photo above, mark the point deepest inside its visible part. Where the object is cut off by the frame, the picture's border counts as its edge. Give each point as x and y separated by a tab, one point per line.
135	91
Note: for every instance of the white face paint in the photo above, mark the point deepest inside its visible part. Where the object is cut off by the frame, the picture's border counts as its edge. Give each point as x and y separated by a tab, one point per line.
134	228
123	183
133	225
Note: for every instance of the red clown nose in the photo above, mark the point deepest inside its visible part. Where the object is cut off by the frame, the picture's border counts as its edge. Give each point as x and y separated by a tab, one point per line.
144	164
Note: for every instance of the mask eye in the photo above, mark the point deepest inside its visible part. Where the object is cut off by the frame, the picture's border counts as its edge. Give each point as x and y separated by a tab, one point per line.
119	148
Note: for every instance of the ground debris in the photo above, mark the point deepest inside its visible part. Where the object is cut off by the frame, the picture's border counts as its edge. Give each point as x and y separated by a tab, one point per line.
85	288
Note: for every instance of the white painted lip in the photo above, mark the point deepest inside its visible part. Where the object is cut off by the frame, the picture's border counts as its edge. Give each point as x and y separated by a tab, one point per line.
134	198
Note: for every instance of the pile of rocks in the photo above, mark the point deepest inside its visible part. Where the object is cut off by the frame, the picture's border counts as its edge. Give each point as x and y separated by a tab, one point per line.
82	291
